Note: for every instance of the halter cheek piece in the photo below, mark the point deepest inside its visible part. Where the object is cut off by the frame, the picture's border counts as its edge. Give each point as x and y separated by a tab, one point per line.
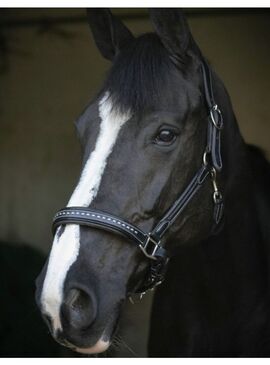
150	243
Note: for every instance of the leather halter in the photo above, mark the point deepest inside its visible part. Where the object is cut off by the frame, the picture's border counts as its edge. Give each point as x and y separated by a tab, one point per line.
151	243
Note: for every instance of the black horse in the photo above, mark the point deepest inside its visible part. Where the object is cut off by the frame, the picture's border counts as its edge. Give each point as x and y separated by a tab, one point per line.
162	150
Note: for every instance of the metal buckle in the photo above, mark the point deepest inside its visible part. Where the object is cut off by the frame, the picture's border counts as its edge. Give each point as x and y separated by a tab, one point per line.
217	196
218	124
148	250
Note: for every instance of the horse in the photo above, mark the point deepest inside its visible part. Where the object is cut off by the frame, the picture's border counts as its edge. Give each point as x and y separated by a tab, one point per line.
170	198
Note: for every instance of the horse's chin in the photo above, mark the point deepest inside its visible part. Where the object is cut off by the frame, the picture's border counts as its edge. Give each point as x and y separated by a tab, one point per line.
99	347
102	343
86	344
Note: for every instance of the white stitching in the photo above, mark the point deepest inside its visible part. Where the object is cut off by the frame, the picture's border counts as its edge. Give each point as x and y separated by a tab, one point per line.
98	216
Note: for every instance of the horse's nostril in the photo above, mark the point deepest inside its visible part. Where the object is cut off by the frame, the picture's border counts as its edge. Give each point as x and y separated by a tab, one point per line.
79	309
75	298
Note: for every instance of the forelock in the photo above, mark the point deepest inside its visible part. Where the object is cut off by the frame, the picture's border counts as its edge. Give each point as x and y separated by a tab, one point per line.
140	75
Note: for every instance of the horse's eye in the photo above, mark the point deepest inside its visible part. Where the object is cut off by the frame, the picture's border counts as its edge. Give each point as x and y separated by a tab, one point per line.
165	137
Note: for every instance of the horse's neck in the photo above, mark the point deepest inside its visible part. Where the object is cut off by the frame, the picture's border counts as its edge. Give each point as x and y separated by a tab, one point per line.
236	256
215	292
232	261
240	240
224	277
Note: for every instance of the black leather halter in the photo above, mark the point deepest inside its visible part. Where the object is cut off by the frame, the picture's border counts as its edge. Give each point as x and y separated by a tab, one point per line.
151	243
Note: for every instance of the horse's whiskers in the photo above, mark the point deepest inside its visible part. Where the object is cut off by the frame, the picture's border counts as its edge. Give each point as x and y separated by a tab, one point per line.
119	343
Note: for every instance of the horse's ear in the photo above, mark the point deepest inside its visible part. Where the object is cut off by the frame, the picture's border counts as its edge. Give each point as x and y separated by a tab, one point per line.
109	33
173	30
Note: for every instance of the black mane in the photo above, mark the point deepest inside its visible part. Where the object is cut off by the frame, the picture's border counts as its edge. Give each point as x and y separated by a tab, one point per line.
140	75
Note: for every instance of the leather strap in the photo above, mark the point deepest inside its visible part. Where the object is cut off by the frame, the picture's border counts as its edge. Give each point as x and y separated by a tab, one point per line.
208	85
215	119
178	206
108	222
148	242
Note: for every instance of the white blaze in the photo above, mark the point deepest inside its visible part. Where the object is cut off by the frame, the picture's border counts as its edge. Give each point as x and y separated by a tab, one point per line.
65	249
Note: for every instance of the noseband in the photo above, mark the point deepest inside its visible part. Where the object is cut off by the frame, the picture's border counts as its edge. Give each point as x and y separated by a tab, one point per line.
151	243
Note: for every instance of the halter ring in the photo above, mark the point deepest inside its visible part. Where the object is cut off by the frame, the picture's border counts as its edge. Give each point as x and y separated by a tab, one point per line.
218	124
205	156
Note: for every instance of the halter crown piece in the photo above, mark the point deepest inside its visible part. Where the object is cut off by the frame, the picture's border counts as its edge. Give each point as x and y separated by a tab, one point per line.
151	243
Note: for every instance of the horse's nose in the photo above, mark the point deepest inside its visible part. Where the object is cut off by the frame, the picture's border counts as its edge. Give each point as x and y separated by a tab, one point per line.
79	309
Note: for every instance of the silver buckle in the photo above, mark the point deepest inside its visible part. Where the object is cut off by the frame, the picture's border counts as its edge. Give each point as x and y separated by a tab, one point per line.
145	248
217	196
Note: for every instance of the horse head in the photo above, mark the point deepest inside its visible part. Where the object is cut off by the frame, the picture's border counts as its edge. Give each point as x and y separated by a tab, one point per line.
144	138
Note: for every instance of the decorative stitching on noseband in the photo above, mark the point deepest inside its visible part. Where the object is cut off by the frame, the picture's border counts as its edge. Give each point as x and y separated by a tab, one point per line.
99	217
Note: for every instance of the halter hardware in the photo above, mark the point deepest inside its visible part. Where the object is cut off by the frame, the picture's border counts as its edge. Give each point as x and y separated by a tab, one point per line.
151	244
150	248
216	117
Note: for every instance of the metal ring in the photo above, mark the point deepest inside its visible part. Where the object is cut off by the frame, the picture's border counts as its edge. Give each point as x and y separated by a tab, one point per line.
218	125
217	196
205	154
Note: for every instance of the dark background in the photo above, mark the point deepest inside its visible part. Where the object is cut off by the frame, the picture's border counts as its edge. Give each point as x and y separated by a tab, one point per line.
49	70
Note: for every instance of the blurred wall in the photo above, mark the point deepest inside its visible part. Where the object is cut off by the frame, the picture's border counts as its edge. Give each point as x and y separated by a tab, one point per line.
53	74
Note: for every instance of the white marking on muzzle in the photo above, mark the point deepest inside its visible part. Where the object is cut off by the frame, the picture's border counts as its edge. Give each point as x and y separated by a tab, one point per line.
65	249
99	347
